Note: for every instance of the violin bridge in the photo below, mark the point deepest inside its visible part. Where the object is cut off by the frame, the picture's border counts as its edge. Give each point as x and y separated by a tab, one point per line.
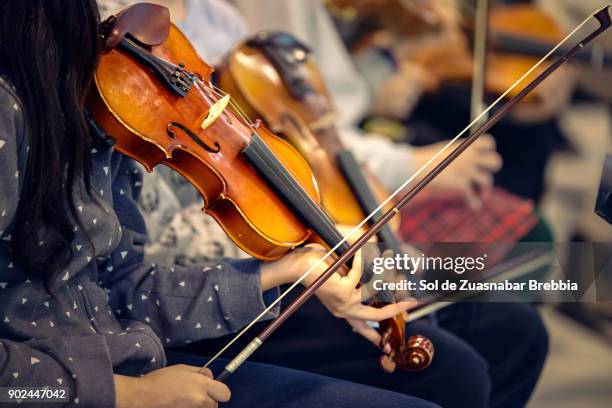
215	111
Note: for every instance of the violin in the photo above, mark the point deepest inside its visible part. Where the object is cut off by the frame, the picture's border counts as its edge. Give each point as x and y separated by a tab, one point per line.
518	35
511	30
405	17
153	94
272	76
277	64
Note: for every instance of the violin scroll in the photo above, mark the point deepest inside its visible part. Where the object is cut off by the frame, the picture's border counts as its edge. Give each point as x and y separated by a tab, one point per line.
413	354
418	354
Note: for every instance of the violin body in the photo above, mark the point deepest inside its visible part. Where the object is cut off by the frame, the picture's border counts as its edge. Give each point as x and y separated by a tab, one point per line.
153	125
308	123
513	31
521	21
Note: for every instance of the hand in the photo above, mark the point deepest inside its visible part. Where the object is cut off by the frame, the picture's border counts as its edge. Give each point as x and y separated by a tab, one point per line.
171	387
342	297
470	175
287	269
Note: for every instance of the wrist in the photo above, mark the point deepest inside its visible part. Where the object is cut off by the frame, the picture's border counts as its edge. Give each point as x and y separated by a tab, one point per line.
277	273
129	392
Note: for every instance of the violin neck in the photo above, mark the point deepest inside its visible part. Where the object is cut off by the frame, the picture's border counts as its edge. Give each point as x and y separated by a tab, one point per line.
175	77
353	174
293	194
536	48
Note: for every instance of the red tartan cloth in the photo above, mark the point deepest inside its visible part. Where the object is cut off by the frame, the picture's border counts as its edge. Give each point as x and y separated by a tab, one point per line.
503	217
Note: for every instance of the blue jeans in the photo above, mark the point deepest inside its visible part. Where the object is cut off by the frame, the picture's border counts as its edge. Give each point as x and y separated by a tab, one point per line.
488	355
263	385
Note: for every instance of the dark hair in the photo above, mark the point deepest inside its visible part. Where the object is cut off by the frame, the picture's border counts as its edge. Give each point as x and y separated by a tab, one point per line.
49	50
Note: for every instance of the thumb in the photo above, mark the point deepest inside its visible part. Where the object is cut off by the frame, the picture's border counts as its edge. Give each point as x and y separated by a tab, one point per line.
314	245
472	199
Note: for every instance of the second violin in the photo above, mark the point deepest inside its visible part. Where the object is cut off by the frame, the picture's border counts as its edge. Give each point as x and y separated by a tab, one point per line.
273	76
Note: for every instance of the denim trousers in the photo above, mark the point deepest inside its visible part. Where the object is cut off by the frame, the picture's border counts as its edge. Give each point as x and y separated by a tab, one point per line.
259	385
486	354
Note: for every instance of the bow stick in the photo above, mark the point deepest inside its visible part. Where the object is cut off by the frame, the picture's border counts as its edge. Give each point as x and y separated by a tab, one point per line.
602	16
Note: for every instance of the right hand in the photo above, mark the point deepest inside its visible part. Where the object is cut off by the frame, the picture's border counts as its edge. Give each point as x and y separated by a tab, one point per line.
171	387
470	175
341	295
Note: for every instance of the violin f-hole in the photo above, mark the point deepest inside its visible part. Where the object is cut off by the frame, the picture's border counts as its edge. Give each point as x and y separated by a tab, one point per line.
171	133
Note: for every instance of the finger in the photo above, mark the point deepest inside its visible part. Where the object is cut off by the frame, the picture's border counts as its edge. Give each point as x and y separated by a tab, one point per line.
206	372
481	179
209	402
364	312
485	195
361	327
485	142
190	368
218	391
354	275
491	161
471	197
319	252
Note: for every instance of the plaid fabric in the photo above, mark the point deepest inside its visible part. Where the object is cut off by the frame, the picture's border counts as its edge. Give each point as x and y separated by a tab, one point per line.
503	217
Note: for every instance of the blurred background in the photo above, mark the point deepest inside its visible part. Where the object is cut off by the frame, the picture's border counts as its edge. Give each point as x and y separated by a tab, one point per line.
553	147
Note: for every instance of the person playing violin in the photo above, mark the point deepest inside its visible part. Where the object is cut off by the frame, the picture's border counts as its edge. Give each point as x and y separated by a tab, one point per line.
81	309
215	27
413	76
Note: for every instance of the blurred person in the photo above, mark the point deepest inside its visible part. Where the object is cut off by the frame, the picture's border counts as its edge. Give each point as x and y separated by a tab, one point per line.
569	13
406	72
469	346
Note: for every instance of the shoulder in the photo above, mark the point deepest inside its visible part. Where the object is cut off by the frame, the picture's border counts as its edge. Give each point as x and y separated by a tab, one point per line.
8	95
11	113
12	154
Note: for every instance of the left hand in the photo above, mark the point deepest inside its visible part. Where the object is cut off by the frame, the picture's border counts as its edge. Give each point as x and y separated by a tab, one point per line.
342	297
470	175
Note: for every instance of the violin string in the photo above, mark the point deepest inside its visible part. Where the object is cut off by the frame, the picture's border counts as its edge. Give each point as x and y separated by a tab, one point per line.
203	97
390	198
237	108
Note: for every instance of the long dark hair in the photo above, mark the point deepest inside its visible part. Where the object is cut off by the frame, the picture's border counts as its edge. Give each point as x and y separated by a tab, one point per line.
48	50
